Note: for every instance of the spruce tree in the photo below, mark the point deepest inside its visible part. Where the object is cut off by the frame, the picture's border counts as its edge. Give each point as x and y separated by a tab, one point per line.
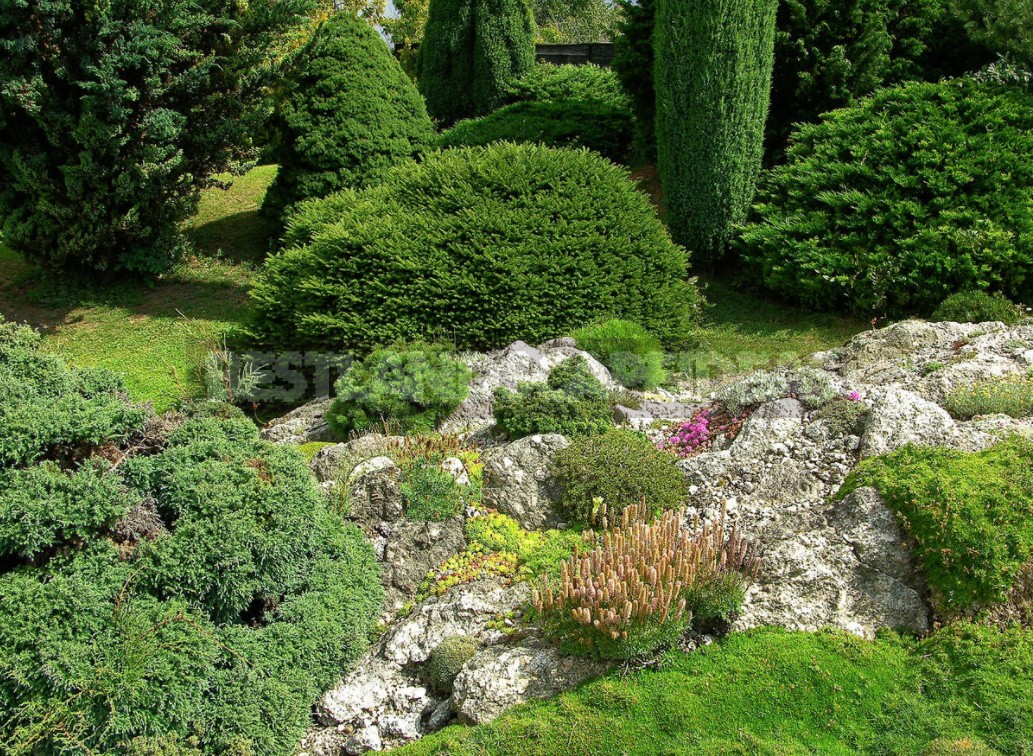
713	84
470	51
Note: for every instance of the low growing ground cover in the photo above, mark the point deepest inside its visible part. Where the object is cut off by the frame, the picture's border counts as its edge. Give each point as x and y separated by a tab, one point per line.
770	691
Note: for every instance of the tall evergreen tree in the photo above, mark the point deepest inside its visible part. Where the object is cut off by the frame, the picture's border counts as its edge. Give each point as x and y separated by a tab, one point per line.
471	49
713	86
633	64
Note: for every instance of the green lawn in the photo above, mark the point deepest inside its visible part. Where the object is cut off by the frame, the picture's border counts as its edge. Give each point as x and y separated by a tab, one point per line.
772	692
157	334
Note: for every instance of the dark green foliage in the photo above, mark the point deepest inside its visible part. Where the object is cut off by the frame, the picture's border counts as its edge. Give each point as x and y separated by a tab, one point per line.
349	114
1004	26
206	620
43	506
978	307
431	494
49	408
633	355
483	246
471	51
573	403
970	516
447	659
621	467
546	82
713	81
604	128
114	115
888	207
634	66
407	388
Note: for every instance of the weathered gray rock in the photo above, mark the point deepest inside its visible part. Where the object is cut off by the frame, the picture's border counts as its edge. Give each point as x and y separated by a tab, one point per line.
374	493
456	612
518	363
335	463
517	480
501	677
780	409
408	550
902	417
455	467
302	425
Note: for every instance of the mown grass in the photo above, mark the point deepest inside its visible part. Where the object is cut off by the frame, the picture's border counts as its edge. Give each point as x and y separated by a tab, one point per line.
156	334
773	692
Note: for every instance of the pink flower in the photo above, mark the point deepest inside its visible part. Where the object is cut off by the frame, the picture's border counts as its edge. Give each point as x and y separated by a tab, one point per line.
854	396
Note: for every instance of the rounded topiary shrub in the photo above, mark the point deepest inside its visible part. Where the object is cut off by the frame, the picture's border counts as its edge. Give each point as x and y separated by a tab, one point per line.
447	660
621	467
888	207
978	307
599	126
547	82
484	246
407	388
350	113
633	355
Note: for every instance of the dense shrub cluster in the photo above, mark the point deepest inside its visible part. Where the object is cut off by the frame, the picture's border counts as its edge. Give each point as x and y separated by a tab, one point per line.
430	493
350	113
447	660
970	516
410	388
198	593
561	83
471	51
572	402
598	126
113	116
633	355
978	307
888	207
483	246
641	585
620	467
713	84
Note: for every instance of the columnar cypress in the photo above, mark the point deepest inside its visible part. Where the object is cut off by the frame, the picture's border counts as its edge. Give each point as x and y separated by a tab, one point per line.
471	49
713	85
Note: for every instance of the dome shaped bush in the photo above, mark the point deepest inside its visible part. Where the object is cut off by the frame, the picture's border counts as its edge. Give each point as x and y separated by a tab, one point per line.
479	246
350	114
888	207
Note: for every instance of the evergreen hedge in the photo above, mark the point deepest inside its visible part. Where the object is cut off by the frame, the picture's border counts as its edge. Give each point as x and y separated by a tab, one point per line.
479	246
471	50
633	63
713	81
919	192
349	114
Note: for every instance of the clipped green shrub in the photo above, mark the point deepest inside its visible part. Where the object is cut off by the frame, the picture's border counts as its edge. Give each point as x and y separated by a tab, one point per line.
970	516
622	468
1011	396
713	83
115	115
407	387
349	114
546	82
633	63
938	204
447	660
597	126
430	493
471	51
484	246
52	409
978	307
573	402
633	355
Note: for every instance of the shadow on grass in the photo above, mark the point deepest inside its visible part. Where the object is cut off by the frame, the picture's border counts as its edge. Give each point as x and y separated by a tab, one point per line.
244	237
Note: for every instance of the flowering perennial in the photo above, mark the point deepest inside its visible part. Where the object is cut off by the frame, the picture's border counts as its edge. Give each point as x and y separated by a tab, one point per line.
637	588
